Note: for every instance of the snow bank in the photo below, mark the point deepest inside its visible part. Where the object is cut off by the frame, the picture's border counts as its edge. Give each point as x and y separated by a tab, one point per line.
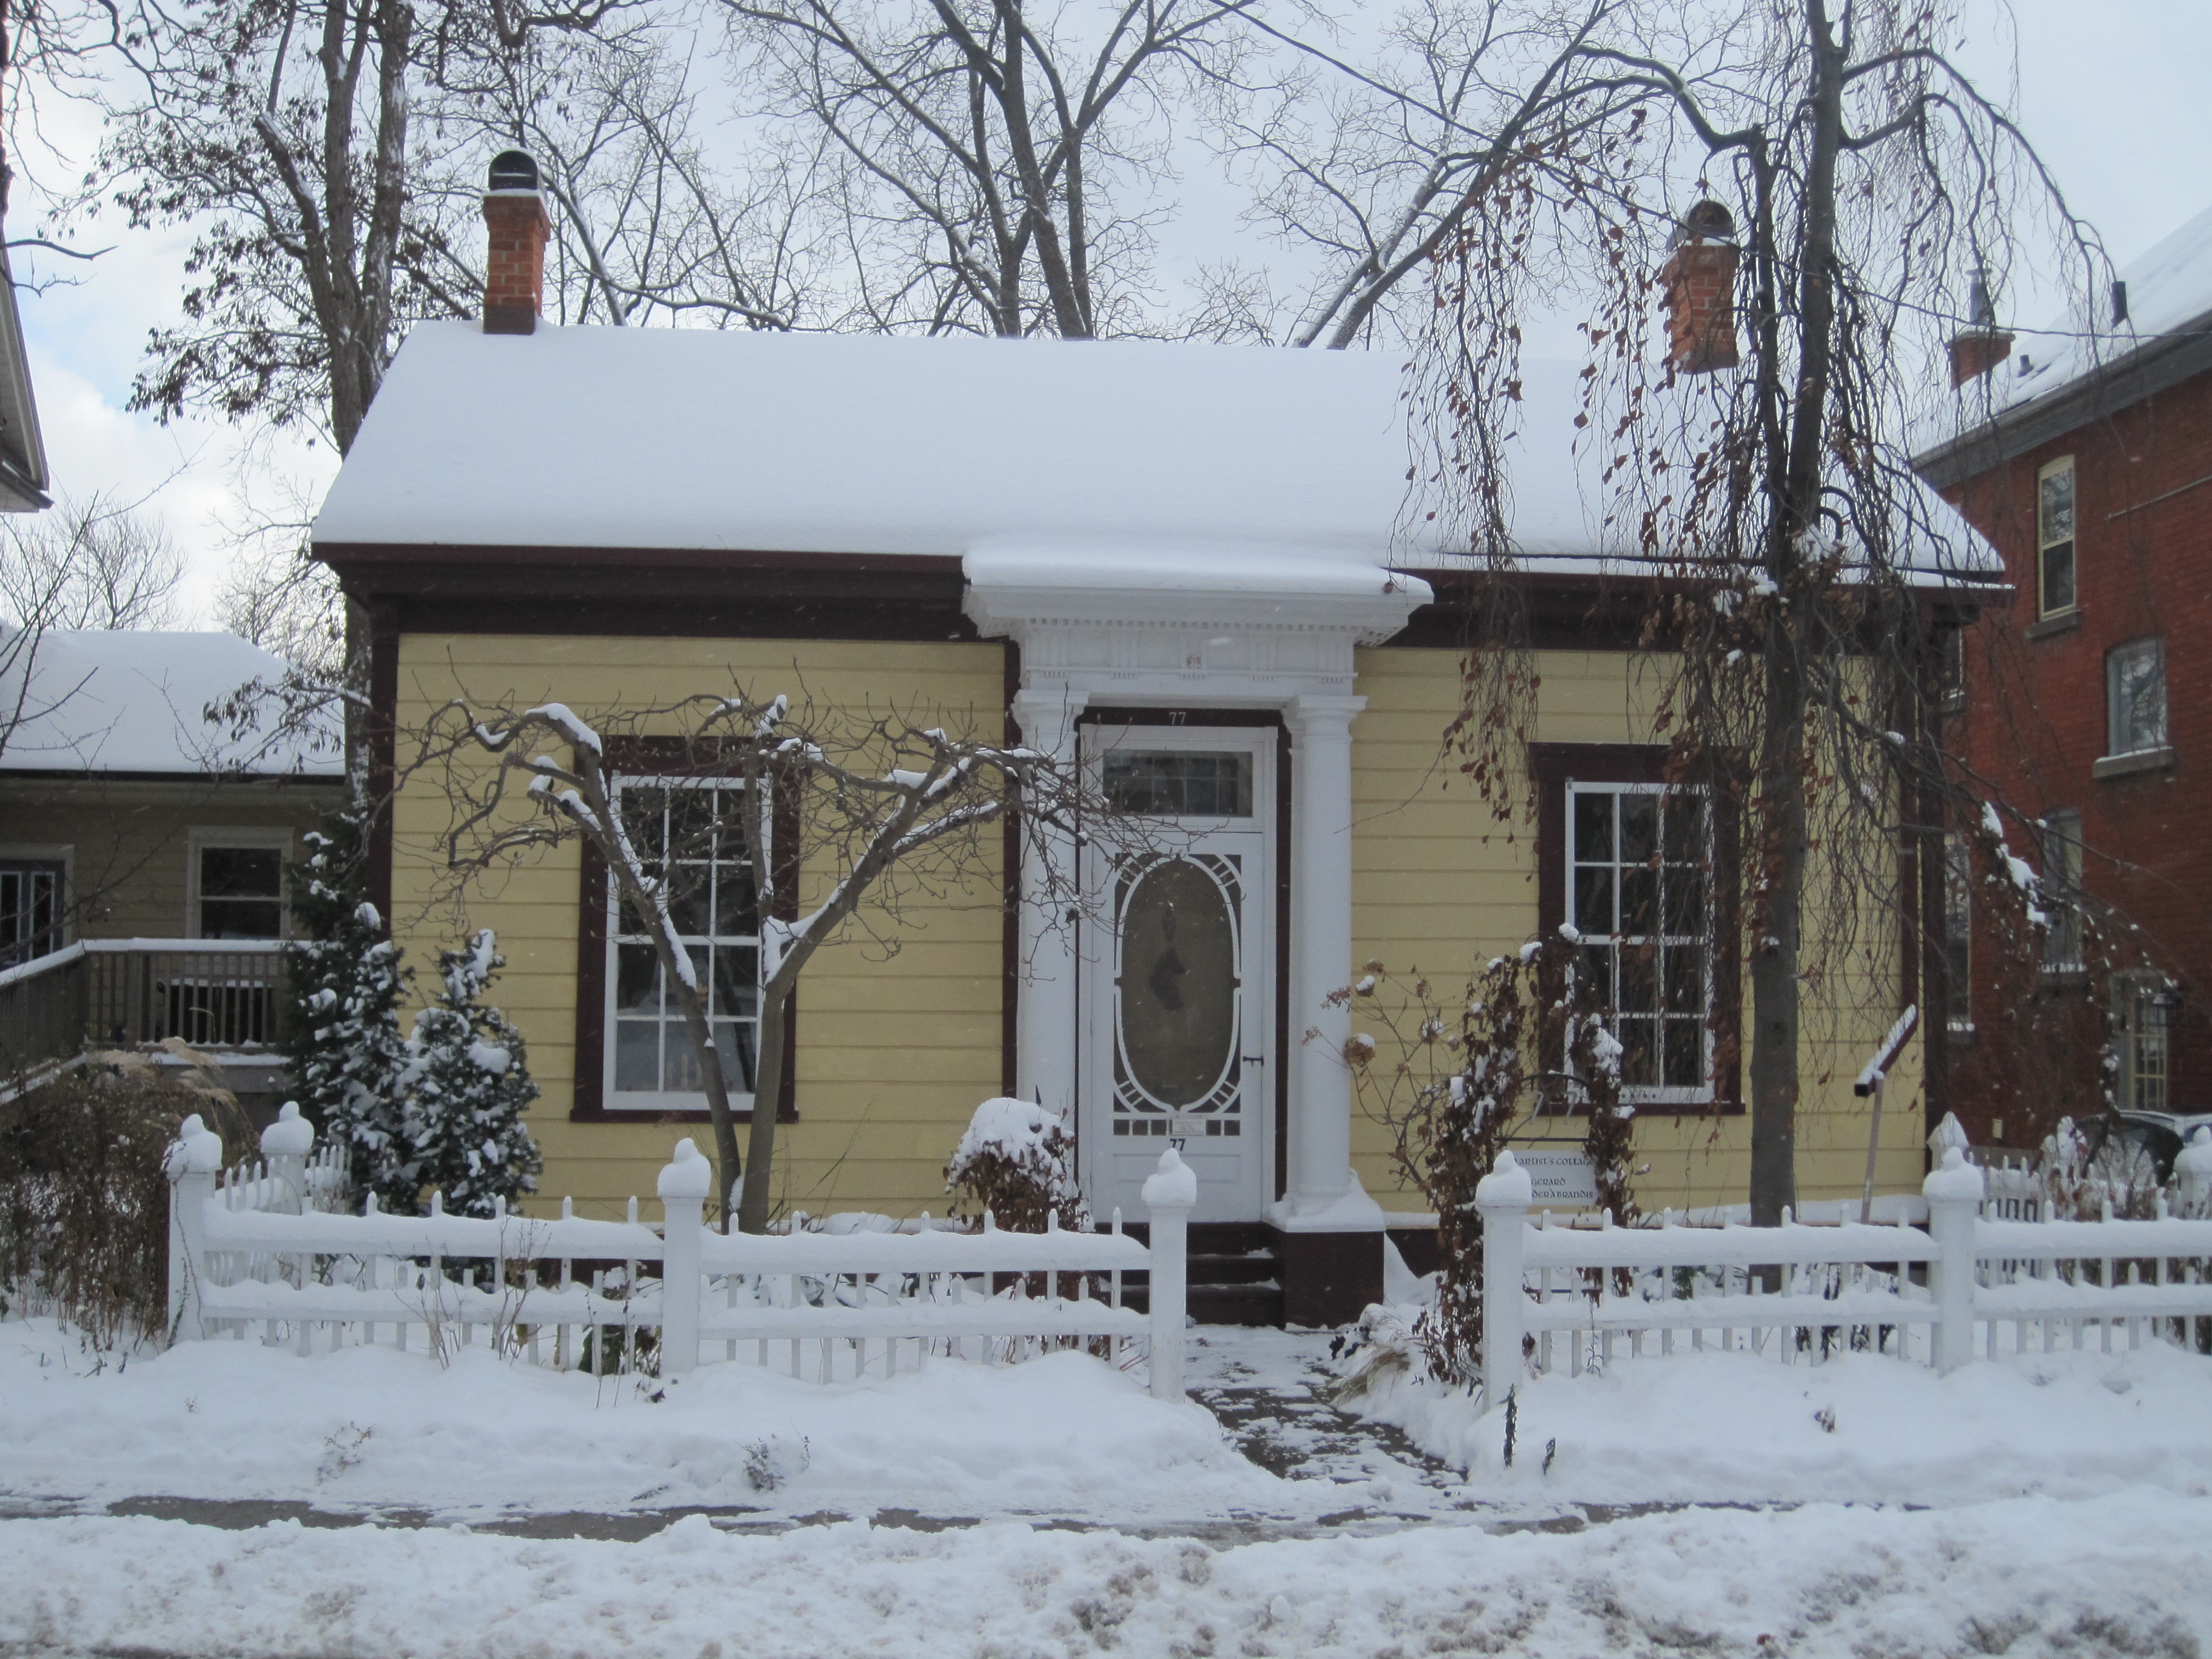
1732	1428
2123	1576
227	1419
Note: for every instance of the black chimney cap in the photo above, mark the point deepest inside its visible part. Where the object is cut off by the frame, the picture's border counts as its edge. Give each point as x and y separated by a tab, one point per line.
513	169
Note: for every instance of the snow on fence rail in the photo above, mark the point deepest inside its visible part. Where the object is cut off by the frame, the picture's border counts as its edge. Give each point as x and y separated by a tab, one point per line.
1580	1295
826	1306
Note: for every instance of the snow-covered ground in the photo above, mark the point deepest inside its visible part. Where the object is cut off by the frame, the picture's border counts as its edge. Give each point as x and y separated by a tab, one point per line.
2066	1511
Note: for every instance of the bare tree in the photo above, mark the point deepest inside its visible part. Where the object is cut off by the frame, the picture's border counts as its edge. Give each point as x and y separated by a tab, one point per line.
990	159
92	564
325	152
289	606
853	813
1795	576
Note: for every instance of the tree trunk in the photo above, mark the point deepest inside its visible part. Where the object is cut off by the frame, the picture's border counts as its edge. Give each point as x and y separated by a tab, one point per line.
755	1202
1783	771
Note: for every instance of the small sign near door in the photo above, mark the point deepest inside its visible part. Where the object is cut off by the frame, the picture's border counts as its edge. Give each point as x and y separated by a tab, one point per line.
1563	1177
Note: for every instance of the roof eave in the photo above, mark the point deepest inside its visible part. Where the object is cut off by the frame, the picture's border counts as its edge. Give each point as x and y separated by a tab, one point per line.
2101	390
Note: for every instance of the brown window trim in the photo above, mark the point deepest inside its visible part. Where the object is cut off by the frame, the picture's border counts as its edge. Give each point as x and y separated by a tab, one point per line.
667	757
1552	765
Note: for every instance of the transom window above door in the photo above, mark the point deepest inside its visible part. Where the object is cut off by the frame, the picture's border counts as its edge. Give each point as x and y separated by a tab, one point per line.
1639	892
694	833
1162	783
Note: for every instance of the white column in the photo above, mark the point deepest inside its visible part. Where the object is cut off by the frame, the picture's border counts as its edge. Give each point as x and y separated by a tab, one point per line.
1046	1014
1321	949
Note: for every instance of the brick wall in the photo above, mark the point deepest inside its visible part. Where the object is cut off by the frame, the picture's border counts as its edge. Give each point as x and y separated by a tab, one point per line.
2034	724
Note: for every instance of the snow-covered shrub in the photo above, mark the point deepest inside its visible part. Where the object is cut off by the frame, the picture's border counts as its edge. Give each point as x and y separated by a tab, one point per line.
342	1041
1453	1098
465	1086
2088	1166
84	1207
1017	1161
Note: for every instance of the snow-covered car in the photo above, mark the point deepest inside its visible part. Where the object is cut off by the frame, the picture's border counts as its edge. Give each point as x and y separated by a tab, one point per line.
2140	1138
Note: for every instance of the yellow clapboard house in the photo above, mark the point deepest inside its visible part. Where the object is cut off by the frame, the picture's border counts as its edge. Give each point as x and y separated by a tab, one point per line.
1184	566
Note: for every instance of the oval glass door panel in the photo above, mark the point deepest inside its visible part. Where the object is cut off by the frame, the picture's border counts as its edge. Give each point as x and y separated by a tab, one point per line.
1178	994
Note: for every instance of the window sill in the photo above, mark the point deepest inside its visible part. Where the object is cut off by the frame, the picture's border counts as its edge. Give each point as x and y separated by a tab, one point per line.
2065	623
2143	759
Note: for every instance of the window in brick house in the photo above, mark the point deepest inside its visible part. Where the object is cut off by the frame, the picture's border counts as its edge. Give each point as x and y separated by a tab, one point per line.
2054	537
1951	665
2135	697
238	890
1958	931
1639	870
2062	891
2142	1016
692	830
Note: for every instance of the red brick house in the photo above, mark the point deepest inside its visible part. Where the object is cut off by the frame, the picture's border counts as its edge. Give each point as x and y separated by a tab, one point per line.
2085	456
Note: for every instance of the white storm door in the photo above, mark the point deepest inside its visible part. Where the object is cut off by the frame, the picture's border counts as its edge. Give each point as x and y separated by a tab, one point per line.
1180	972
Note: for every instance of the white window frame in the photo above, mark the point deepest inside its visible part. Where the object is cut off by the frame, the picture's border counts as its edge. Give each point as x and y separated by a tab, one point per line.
1653	1094
2119	739
2062	889
648	1103
1959	931
2134	996
61	852
253	837
2044	542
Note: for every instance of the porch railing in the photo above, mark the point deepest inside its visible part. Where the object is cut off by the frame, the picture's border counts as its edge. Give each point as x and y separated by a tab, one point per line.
223	994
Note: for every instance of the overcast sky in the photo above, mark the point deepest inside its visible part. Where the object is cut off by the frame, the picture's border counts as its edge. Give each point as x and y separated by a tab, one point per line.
2109	91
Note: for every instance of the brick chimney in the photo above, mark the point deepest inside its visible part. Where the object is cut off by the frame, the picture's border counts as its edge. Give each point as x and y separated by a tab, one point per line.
1699	284
1981	345
514	263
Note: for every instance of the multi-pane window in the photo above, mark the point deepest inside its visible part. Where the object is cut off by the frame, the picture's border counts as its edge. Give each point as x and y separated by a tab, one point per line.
2135	697
2062	890
695	832
1958	931
1180	783
240	892
30	909
2142	1013
1639	891
2054	537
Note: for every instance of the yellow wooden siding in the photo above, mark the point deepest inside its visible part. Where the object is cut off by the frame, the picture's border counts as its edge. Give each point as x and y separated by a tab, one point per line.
1439	886
893	1053
130	842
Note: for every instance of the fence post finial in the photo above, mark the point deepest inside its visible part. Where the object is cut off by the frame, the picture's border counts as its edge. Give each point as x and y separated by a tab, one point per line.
1171	1193
286	1143
683	1187
1501	1198
1954	1190
2192	1171
191	1163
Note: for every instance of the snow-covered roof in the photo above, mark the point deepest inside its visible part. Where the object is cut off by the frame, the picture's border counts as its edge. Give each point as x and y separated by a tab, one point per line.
2166	336
1172	466
1566	516
693	439
132	702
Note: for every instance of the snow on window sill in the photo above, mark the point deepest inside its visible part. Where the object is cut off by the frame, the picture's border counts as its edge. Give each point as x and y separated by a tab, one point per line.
2142	760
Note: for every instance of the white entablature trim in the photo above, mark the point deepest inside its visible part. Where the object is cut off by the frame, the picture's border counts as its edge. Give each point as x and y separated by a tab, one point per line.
1235	625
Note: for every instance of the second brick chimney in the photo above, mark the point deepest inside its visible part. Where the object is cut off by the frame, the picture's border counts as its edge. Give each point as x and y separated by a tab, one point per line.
514	261
1981	345
1700	282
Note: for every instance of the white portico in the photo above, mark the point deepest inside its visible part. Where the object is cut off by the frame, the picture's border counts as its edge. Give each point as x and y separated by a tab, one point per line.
1213	638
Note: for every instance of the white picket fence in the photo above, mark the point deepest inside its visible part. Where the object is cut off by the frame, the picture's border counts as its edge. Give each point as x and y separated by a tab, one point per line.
1572	1297
247	1254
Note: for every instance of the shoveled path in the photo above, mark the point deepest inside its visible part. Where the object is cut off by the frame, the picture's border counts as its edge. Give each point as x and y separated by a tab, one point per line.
1270	1391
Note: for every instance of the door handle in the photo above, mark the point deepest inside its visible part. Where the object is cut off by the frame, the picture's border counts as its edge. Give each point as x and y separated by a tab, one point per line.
1253	1059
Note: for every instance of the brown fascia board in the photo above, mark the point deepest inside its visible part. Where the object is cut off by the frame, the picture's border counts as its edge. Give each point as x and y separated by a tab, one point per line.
2152	367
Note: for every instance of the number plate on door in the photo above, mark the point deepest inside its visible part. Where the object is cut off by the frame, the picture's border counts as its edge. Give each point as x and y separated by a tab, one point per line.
1181	1127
